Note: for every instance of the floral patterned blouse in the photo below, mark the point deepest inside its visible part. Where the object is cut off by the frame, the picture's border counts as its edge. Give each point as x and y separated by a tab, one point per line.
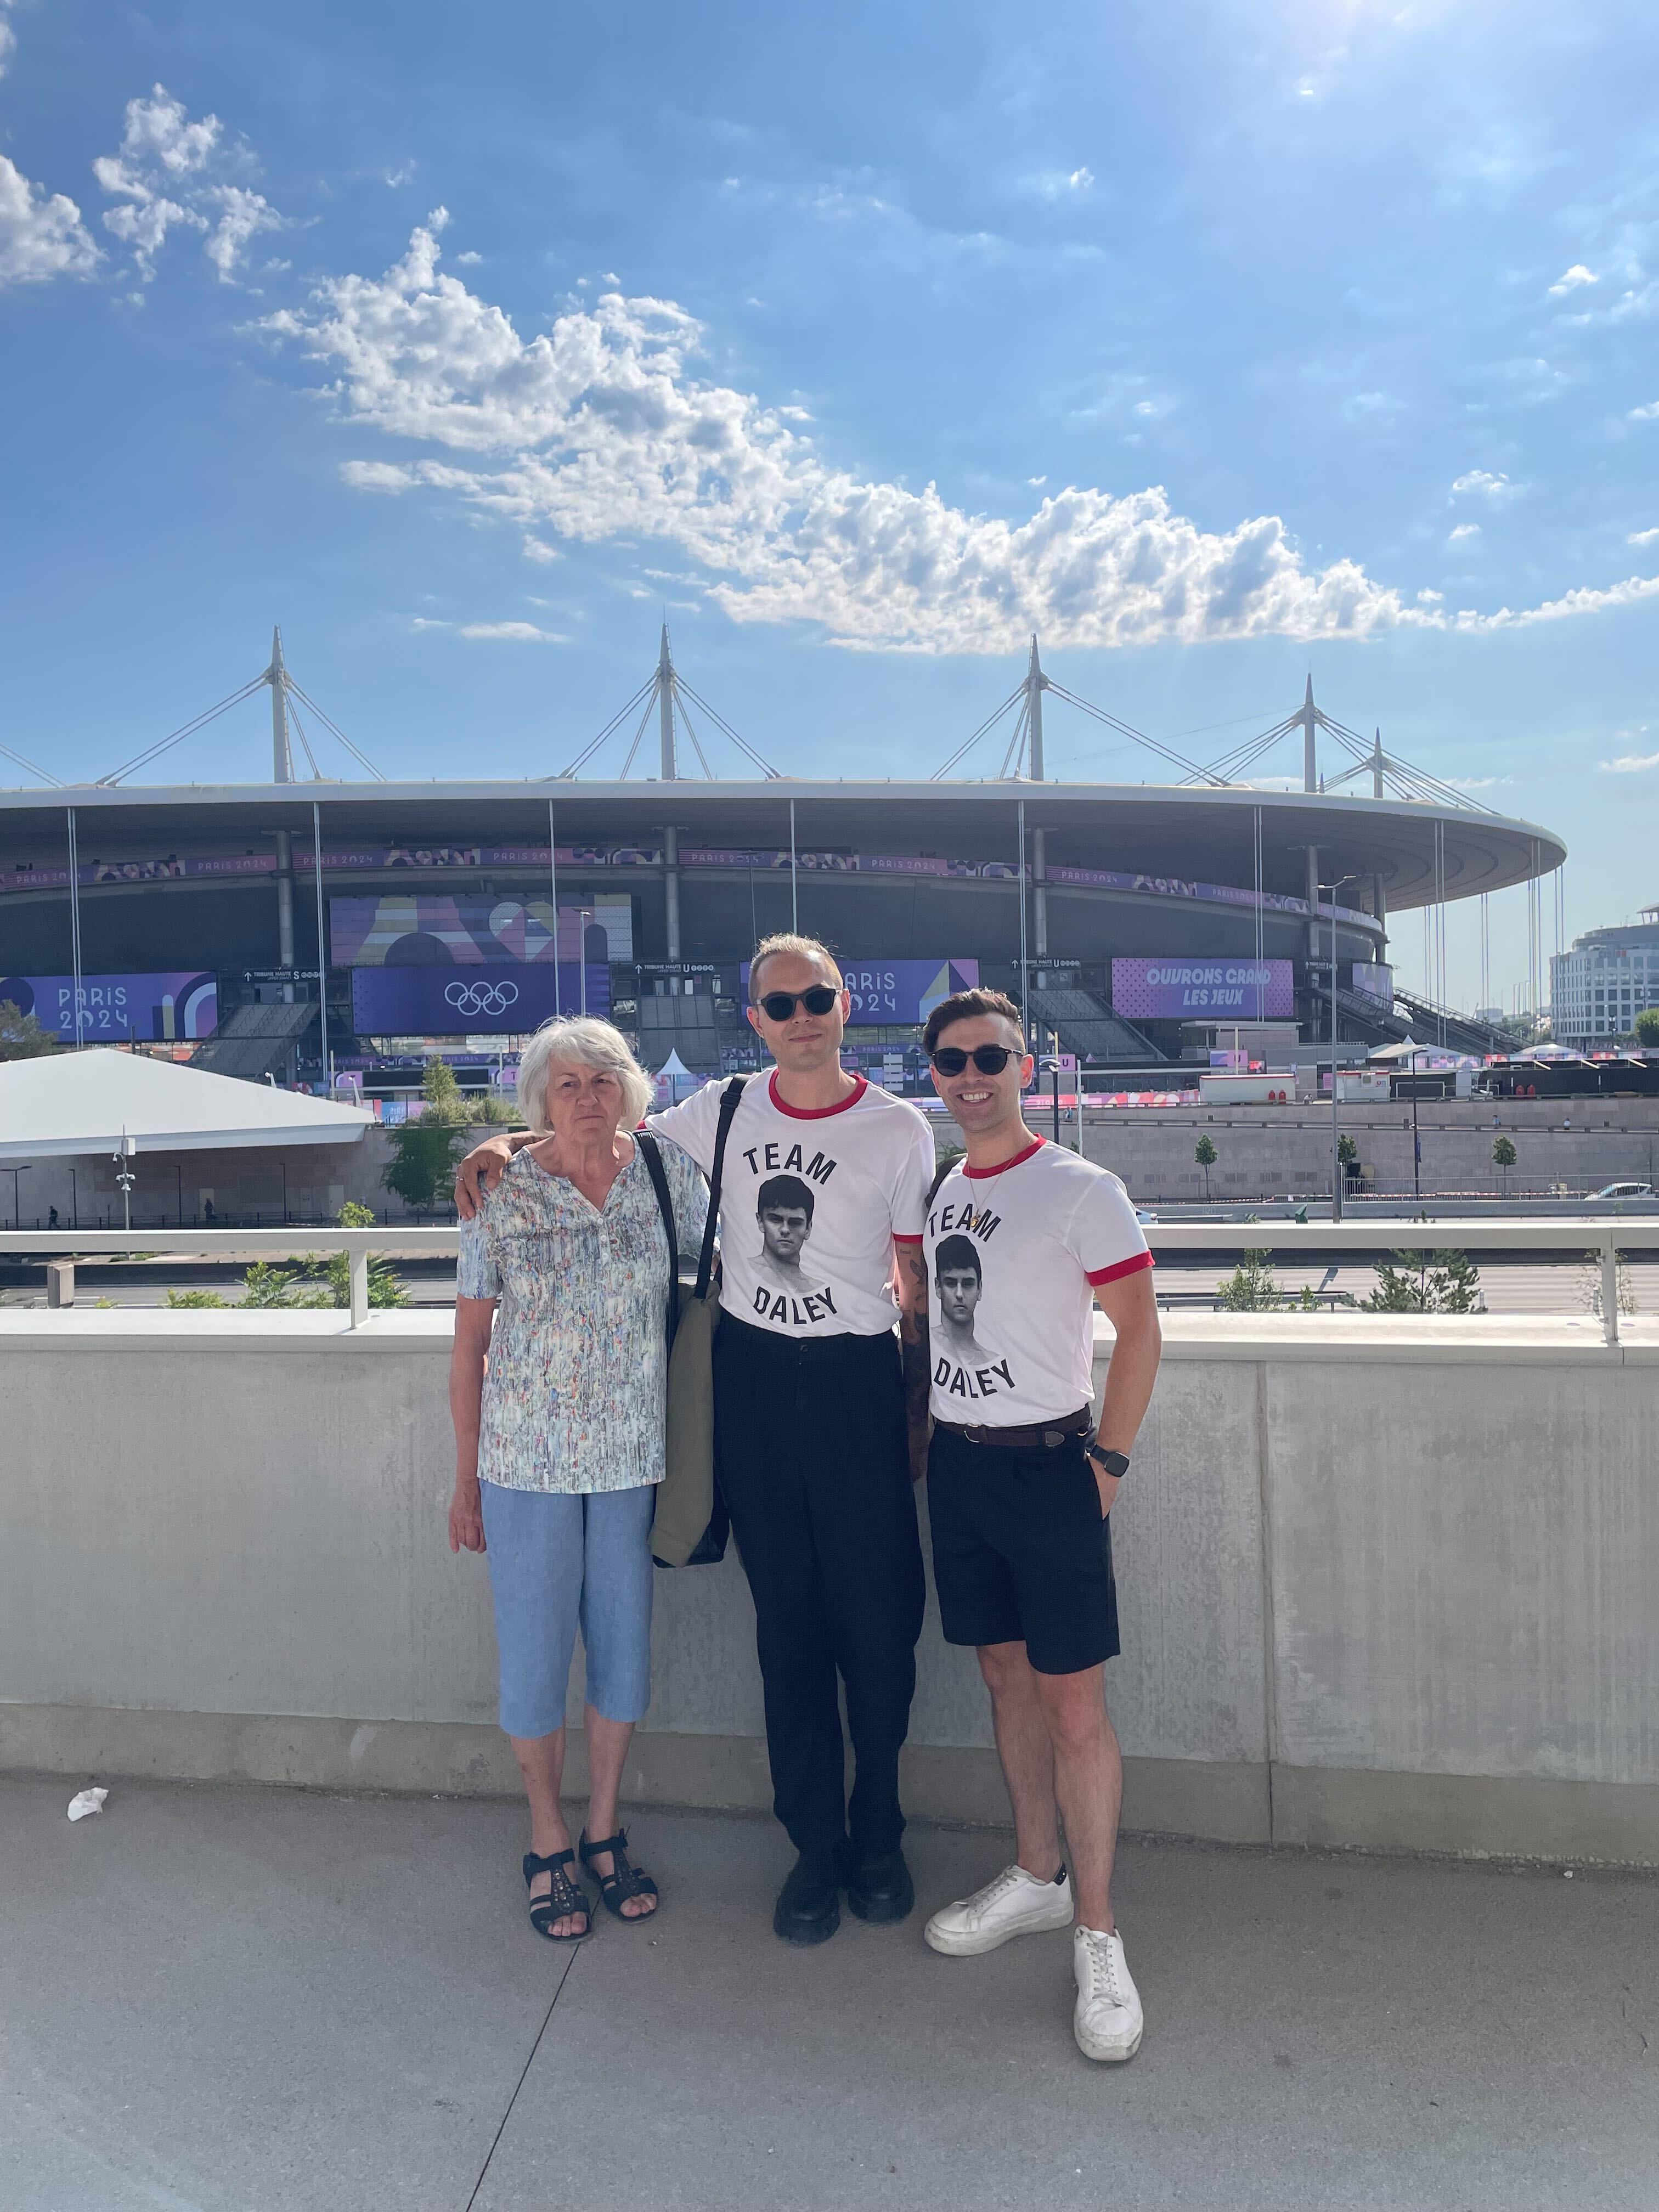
576	1382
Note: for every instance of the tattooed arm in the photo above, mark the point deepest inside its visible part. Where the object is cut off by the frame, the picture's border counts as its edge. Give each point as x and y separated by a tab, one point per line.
911	1279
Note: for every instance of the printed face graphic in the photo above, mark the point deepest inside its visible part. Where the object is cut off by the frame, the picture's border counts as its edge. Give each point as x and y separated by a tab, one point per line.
958	1295
784	1231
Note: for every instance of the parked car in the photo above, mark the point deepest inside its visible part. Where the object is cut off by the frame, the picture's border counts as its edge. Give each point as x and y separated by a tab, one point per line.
1627	1190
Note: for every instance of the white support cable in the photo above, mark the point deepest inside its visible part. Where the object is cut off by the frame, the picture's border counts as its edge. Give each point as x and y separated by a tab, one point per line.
968	743
773	774
615	723
45	775
298	729
1128	730
690	732
1227	765
186	730
333	727
1014	753
652	688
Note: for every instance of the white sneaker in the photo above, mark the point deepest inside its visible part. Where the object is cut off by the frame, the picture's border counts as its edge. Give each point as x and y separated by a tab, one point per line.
1107	2022
1015	1903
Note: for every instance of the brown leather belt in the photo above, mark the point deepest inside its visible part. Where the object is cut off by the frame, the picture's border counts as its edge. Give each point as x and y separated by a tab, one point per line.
1036	1436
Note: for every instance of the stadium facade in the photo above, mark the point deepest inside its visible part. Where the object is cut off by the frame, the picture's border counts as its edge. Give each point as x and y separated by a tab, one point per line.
1122	913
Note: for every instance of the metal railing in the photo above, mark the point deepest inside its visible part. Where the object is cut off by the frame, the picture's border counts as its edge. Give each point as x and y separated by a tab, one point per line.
360	1245
1607	1239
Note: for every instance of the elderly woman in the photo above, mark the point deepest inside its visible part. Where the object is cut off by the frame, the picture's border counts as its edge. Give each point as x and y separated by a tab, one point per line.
558	1389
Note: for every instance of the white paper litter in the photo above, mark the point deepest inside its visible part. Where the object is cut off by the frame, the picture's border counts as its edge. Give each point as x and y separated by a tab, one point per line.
87	1801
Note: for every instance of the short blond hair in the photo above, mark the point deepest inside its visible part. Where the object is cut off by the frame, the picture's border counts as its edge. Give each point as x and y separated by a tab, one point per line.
800	948
587	1041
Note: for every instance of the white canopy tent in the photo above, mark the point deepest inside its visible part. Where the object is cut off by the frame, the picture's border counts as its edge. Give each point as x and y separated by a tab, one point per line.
71	1103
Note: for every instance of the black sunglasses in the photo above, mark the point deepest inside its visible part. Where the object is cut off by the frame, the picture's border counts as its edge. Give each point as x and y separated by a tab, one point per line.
988	1059
778	1006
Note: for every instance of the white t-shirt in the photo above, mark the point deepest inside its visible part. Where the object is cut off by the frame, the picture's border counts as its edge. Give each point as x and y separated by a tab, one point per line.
1013	1255
811	1203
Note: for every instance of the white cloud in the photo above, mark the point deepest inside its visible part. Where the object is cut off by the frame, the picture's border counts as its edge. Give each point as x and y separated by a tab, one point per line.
1571	279
1629	764
161	181
1647	413
41	234
1584	600
598	429
1464	530
1482	482
378	476
1642	538
534	549
514	632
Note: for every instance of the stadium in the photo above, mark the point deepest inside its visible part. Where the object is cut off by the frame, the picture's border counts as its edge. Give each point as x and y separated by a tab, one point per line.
1133	919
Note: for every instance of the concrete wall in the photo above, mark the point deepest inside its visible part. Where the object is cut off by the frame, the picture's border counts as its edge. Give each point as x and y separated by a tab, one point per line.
1383	1583
1264	1152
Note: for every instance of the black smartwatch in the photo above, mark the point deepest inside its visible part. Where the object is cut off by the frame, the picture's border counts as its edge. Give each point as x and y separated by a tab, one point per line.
1115	1463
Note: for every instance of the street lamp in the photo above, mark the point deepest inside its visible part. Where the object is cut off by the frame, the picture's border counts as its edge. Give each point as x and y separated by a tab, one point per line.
124	1176
14	1173
1336	1118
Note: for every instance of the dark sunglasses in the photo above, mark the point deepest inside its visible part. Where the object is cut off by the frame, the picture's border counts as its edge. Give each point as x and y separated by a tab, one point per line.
778	1006
988	1059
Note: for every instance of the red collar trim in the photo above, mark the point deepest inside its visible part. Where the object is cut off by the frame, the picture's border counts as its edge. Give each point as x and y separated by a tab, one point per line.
978	1175
811	1113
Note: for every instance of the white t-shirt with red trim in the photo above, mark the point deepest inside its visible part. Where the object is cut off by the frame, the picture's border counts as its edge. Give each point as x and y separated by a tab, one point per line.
811	1202
1013	1255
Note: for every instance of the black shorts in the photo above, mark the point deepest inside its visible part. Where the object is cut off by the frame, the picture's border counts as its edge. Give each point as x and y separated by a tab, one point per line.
1022	1553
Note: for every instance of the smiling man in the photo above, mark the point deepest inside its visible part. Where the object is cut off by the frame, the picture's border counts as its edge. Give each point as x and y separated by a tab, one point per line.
820	1419
1025	1239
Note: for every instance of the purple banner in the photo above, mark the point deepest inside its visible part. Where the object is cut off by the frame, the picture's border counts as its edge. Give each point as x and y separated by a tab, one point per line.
1202	990
474	1001
897	991
155	1008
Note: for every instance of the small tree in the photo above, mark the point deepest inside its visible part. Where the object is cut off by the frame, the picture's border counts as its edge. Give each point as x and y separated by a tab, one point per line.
1647	1027
1252	1287
1590	1286
311	1283
1503	1157
21	1037
1205	1154
1415	1282
424	1152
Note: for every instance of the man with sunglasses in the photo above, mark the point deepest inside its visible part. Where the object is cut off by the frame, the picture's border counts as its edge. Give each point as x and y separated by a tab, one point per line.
820	1419
1020	1481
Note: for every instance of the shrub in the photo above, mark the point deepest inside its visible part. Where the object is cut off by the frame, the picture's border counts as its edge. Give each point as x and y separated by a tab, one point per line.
1252	1287
323	1283
1417	1282
178	1299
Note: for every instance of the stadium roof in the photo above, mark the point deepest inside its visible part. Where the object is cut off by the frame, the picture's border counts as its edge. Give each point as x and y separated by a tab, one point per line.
69	1104
1421	850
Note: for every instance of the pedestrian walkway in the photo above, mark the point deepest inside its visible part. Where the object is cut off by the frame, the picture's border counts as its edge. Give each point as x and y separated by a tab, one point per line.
235	1997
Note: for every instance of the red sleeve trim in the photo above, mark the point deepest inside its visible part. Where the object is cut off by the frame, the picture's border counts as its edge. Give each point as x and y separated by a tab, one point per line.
813	1113
1100	1275
897	1239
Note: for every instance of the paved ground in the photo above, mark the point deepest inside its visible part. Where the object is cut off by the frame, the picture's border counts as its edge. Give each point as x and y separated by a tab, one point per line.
219	1998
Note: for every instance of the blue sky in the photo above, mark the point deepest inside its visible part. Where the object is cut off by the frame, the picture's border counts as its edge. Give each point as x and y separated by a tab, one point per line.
1218	341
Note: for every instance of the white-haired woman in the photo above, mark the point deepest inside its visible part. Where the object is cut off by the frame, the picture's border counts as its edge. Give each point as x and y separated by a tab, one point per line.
563	1284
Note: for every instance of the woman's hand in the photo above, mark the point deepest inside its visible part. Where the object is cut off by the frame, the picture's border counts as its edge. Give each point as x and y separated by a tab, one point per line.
466	1531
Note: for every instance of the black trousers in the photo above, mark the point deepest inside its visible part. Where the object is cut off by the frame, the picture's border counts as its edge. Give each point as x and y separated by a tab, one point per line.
811	1452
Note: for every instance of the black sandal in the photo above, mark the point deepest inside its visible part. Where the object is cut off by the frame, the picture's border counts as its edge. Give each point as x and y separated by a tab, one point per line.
623	1881
564	1899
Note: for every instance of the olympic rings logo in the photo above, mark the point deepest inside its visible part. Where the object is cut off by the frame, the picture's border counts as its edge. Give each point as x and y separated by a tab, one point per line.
481	998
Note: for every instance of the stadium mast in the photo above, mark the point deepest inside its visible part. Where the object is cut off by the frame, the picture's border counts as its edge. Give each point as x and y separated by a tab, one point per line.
667	690
1023	759
285	725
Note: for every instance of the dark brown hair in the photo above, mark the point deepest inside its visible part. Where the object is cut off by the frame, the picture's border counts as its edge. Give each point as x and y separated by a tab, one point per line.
963	1006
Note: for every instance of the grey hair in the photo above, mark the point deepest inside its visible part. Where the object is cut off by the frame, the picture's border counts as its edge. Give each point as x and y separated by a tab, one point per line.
589	1043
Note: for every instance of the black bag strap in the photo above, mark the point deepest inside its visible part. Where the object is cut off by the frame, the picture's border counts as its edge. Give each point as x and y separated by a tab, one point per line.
654	1167
729	1100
